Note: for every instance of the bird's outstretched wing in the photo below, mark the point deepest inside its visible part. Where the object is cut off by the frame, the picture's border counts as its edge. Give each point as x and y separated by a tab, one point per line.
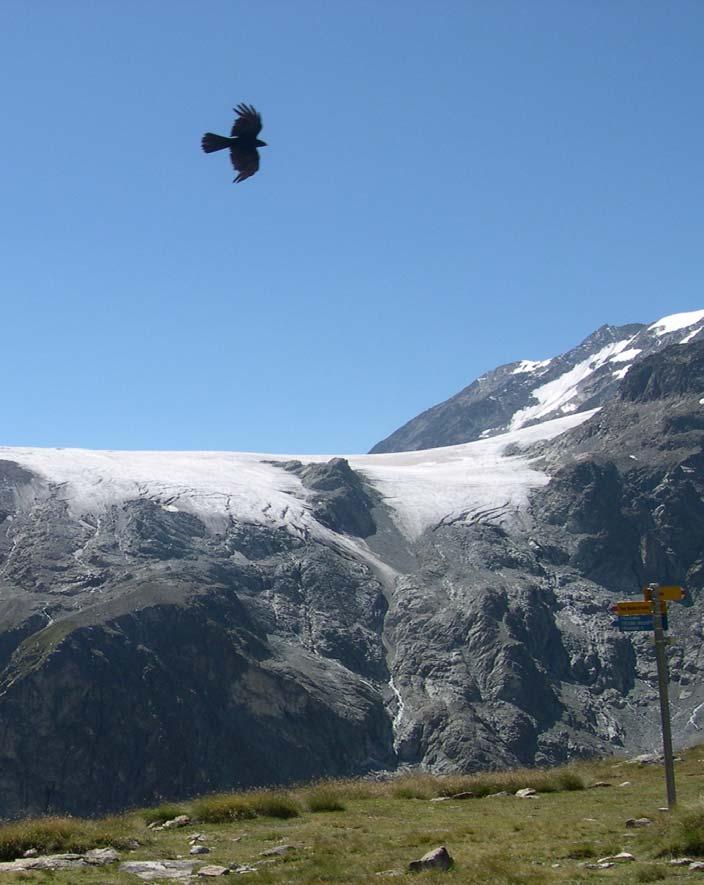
248	122
245	161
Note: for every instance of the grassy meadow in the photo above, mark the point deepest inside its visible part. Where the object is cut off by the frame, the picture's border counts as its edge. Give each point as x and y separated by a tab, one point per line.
353	831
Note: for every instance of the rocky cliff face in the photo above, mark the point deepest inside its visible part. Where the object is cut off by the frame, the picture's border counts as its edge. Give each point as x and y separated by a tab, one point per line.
177	623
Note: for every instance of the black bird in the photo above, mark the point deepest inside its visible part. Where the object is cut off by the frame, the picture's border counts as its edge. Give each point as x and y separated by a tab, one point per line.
243	141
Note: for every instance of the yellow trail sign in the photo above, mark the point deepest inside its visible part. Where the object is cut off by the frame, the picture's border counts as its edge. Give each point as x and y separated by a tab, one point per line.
632	607
674	592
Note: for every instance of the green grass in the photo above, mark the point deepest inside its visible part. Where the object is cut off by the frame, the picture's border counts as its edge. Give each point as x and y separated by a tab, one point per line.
582	851
161	813
650	874
427	786
323	797
348	831
223	808
569	780
682	834
689	830
267	803
227	807
33	650
54	835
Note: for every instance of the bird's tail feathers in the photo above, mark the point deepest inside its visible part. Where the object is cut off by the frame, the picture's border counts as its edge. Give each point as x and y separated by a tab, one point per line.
211	142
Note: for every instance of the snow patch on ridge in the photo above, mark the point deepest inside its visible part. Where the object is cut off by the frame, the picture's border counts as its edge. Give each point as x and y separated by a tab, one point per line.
554	395
626	356
692	334
530	366
676	321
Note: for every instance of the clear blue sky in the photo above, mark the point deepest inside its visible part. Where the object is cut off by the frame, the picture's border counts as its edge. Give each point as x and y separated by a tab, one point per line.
449	186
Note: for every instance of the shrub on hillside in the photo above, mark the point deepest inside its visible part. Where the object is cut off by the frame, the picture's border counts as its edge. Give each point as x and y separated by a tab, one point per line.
426	786
581	851
569	780
161	813
323	797
273	804
685	834
414	786
222	808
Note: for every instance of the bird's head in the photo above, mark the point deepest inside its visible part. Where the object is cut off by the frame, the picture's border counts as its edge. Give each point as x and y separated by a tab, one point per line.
259	143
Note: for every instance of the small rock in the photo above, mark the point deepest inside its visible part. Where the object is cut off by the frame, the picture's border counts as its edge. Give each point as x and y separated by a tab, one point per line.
183	820
526	793
155	870
645	759
625	784
621	857
466	795
132	844
441	799
498	795
633	822
279	851
437	859
242	869
681	861
696	866
395	872
199	849
31	852
600	865
196	837
100	856
597	784
212	871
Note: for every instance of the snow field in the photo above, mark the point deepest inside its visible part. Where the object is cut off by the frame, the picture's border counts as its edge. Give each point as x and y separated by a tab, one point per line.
422	488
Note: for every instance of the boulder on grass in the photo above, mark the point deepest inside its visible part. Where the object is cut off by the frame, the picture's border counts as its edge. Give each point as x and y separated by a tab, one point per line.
437	859
212	872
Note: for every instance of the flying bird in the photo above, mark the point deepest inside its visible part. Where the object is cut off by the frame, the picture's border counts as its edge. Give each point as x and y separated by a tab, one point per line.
243	141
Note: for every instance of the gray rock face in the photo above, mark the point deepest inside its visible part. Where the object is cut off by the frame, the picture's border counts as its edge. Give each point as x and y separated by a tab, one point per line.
340	501
151	652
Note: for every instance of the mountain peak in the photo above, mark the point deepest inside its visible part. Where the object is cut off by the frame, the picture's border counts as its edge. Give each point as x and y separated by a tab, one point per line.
527	391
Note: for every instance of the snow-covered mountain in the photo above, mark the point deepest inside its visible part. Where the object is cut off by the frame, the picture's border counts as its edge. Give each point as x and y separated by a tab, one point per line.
527	391
178	622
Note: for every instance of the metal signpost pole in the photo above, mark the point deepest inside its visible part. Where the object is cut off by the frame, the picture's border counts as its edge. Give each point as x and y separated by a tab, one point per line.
660	643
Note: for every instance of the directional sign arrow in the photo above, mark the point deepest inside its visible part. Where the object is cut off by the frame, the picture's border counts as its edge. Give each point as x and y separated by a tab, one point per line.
632	607
632	623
